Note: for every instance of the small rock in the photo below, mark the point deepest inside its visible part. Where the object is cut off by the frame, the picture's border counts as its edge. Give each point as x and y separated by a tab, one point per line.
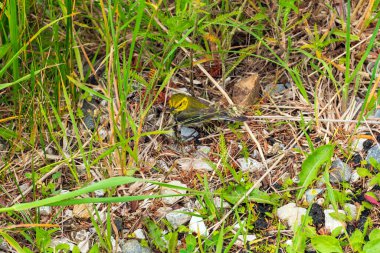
99	193
221	204
162	165
84	246
115	246
289	242
103	134
249	164
59	241
296	179
188	134
203	151
178	217
101	217
340	172
354	177
247	91
275	89
198	226
103	103
64	192
320	183
171	191
132	246
291	213
357	144
238	225
23	187
200	164
376	114
81	235
311	194
275	149
45	210
162	211
139	234
243	240
331	223
320	201
68	213
373	154
81	211
119	223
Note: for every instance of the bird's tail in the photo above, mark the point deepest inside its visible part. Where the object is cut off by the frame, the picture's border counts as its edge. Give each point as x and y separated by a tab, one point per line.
226	116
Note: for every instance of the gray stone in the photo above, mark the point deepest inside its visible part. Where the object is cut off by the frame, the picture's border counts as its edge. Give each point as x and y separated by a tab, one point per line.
354	177
99	193
340	172
219	203
292	214
45	210
357	144
201	164
373	154
139	234
172	191
311	194
133	246
188	134
202	151
249	164
178	217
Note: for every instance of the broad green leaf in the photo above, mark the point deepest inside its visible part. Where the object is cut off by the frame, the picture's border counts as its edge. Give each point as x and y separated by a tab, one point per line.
363	172
356	240
372	246
310	167
326	244
375	234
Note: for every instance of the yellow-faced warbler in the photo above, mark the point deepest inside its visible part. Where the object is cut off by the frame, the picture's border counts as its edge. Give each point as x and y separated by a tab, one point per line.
188	110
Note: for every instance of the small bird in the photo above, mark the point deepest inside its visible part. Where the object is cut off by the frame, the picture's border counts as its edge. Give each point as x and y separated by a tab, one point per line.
188	110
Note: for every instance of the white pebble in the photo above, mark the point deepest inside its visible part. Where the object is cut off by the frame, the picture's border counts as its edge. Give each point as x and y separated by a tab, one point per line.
198	226
292	214
331	223
249	164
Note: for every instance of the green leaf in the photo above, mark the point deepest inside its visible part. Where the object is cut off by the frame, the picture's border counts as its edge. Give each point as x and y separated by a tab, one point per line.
310	167
356	240
342	34
89	90
173	241
234	192
191	244
7	133
372	246
363	172
155	234
326	244
375	234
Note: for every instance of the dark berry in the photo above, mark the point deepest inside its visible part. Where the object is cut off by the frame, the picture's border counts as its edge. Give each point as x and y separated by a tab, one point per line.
316	213
367	144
